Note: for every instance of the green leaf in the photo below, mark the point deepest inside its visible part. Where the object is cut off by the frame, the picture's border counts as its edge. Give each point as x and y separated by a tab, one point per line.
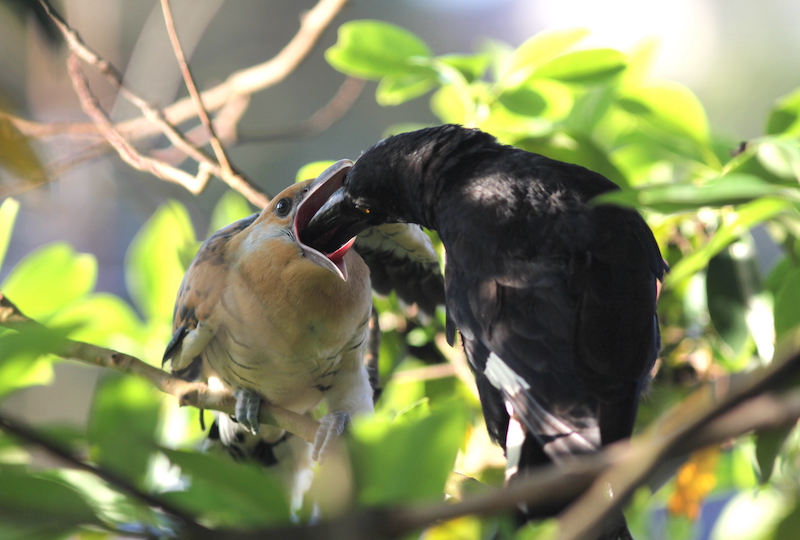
8	215
670	107
49	279
397	89
34	508
451	106
783	119
22	360
232	206
789	526
471	66
157	260
387	472
768	447
728	296
780	157
373	49
720	191
588	67
103	319
312	170
539	50
745	217
787	316
224	492
122	425
577	149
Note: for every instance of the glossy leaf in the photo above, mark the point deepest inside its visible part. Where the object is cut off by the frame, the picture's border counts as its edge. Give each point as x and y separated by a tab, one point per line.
49	279
374	49
721	191
787	316
539	50
22	357
397	89
785	116
118	325
231	207
122	425
8	214
157	259
312	170
768	447
671	107
746	217
728	298
225	492
387	472
471	66
590	66
34	508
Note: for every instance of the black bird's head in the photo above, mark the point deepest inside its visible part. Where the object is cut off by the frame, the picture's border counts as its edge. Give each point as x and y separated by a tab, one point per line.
397	180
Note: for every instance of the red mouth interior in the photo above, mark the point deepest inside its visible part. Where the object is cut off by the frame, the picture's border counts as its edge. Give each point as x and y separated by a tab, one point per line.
313	202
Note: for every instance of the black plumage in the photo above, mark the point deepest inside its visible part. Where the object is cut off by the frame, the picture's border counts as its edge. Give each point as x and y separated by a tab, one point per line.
554	296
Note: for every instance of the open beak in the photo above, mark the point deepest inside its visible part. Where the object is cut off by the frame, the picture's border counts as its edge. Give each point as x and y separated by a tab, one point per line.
328	253
334	223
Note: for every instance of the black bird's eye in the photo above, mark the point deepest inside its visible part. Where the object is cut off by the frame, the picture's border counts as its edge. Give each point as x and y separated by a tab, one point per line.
283	207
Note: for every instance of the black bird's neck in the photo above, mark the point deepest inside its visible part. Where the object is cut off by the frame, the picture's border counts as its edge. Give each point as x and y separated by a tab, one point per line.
419	166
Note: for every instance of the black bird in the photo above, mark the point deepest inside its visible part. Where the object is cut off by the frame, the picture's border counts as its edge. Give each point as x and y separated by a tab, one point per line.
554	296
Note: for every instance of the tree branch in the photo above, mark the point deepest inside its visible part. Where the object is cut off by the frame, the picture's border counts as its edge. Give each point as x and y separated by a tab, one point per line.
30	437
188	393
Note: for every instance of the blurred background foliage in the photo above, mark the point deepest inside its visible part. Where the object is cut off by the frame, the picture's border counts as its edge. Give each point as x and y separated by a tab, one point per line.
725	213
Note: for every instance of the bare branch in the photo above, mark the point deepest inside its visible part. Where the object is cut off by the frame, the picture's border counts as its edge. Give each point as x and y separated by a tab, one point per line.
186	72
188	393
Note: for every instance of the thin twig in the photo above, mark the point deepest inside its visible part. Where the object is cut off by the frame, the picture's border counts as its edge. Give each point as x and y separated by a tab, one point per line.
125	150
188	393
188	80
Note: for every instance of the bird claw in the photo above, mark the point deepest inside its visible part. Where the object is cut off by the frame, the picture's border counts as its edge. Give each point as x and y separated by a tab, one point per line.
331	427
248	404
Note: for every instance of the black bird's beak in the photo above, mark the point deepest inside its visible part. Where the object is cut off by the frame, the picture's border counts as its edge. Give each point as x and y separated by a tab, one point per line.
335	223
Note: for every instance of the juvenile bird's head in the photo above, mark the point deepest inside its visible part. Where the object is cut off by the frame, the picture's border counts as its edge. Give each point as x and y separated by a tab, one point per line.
287	215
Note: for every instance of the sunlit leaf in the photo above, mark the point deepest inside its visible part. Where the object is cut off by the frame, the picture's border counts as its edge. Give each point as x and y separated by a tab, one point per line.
396	89
157	259
34	508
8	214
539	50
578	149
22	357
747	216
312	170
386	472
783	118
100	319
122	425
228	493
721	191
787	299
780	157
49	279
232	206
590	66
671	107
374	49
471	66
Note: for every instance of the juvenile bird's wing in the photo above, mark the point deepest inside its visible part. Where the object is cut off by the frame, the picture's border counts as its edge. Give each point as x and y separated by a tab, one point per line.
198	297
401	257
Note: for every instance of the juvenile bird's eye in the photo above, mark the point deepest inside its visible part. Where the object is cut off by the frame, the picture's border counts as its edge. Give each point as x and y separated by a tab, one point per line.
283	207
